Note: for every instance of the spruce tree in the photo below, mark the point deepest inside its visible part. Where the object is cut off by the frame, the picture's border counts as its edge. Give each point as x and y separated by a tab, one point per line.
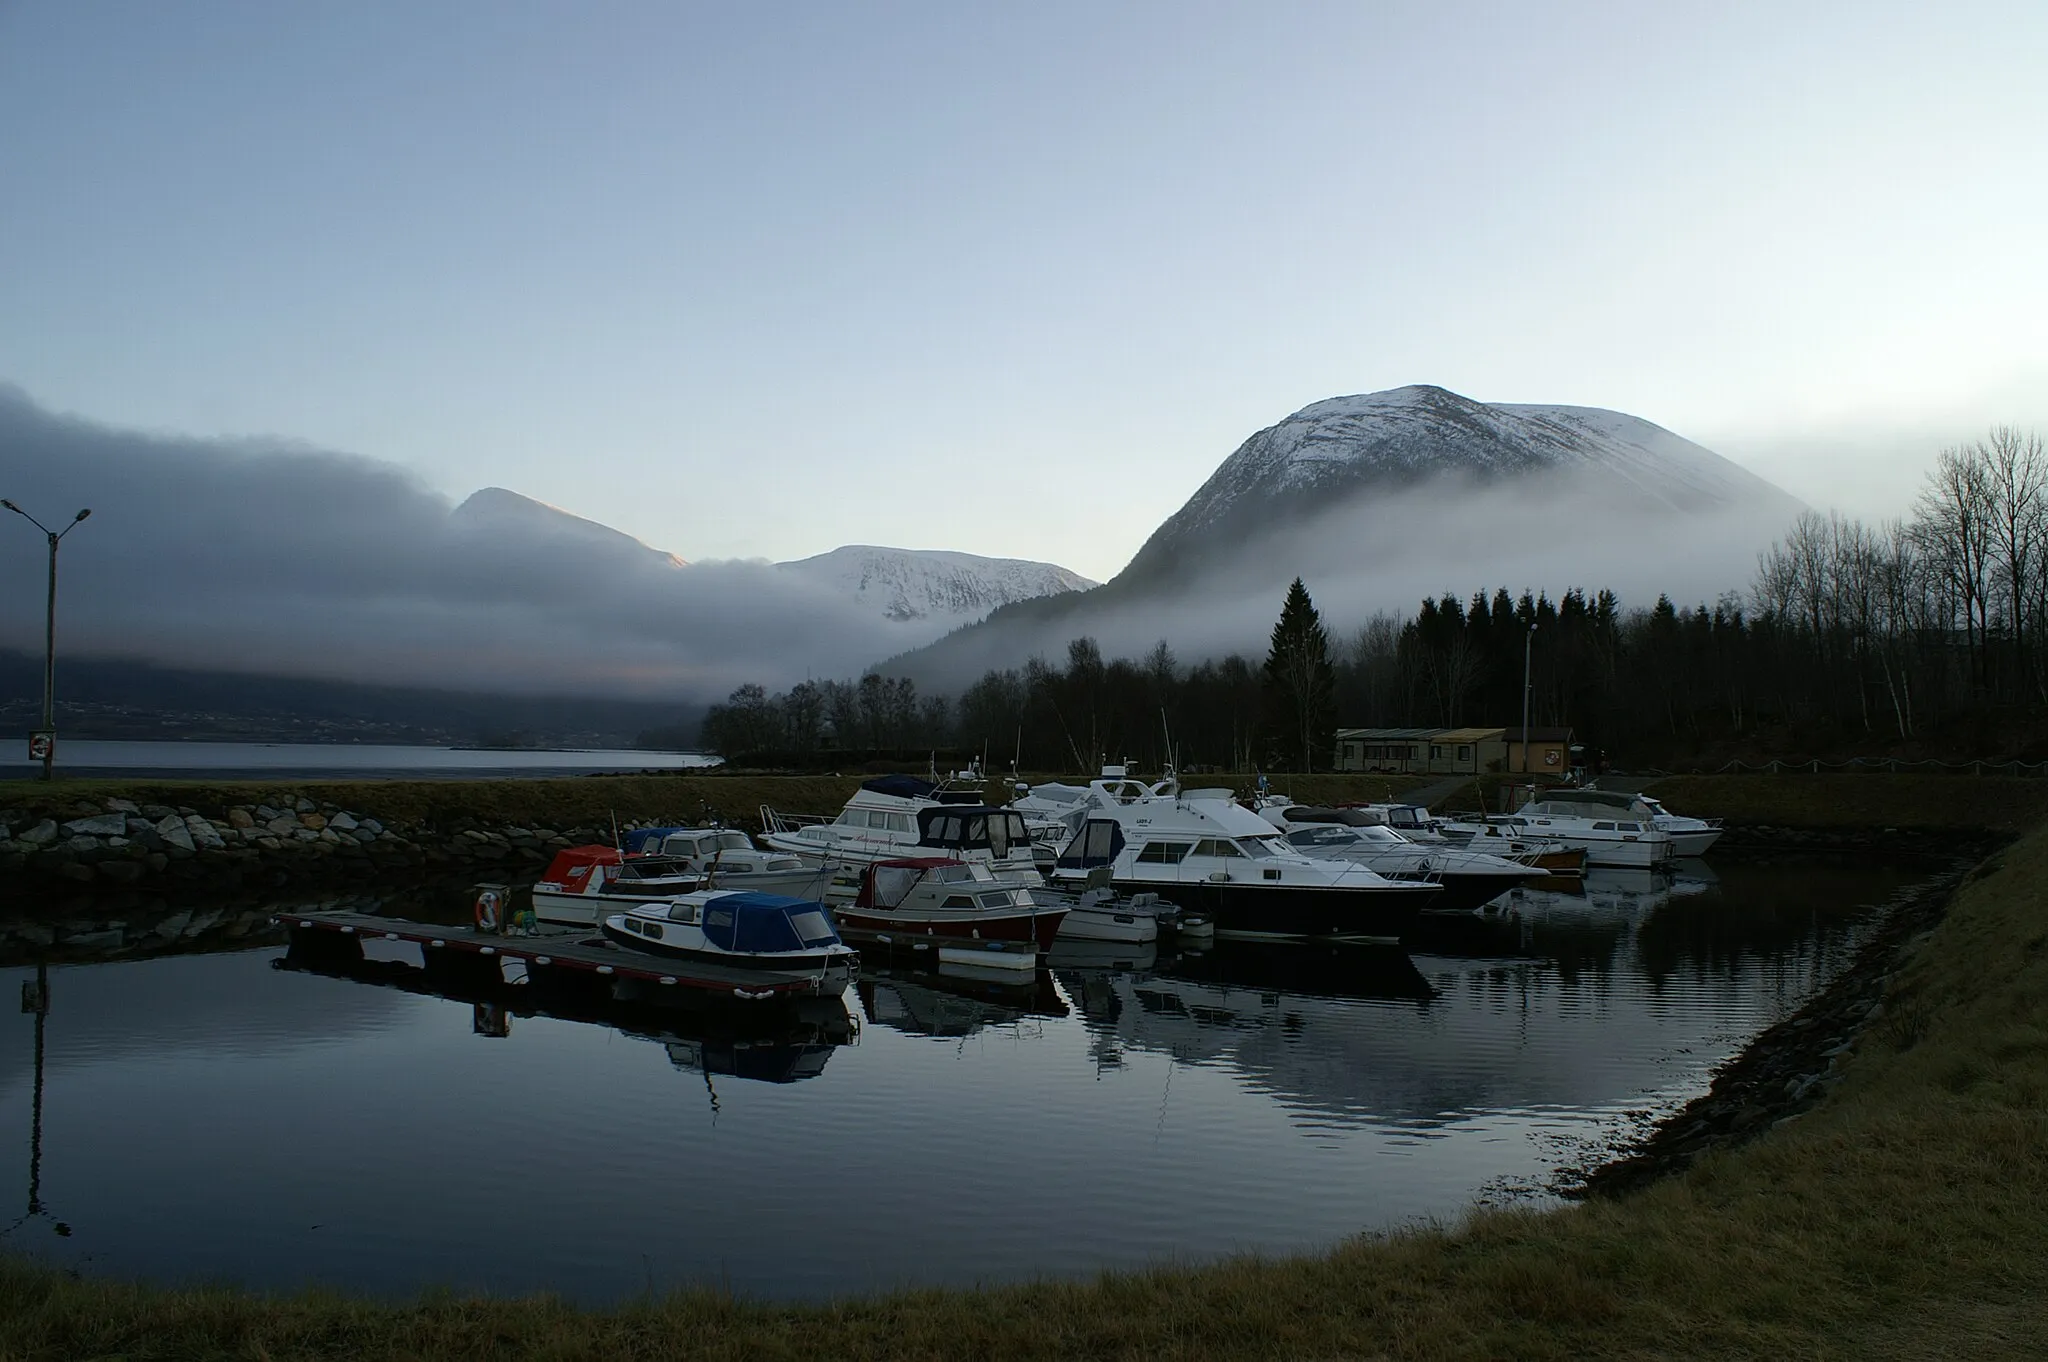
1299	681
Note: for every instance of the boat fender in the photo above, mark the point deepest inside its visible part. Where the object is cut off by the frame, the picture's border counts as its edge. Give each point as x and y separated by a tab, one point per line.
490	906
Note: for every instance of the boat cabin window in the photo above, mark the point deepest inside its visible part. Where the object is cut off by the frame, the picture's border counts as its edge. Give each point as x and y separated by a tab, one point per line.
730	840
957	901
651	929
682	912
1603	827
1216	846
1259	848
999	899
812	928
1164	853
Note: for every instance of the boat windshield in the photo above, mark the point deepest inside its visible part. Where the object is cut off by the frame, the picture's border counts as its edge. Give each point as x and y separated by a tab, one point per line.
812	928
1327	836
1260	848
731	840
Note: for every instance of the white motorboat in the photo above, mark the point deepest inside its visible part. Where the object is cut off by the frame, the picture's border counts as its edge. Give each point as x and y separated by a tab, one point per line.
1207	854
1617	843
895	816
1419	825
728	859
1689	836
779	936
583	884
1470	878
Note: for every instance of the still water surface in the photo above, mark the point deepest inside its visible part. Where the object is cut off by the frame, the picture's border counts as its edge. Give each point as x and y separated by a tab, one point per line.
226	1115
288	760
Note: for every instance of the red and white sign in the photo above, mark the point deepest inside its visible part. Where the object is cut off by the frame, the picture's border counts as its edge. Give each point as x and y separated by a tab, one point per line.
41	745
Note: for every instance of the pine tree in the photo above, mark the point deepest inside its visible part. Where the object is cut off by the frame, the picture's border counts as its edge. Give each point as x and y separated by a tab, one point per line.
1299	681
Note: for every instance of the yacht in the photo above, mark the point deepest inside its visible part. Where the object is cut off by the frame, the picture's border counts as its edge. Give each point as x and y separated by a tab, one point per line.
1206	853
1418	824
1689	836
583	884
782	937
1469	878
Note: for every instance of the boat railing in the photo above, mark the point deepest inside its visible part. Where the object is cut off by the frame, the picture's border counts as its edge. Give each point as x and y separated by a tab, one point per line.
771	821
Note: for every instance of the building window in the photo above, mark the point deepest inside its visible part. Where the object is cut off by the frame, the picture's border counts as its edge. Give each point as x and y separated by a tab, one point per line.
1464	752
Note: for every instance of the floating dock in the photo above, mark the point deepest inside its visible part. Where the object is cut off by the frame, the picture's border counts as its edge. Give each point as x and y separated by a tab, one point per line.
563	953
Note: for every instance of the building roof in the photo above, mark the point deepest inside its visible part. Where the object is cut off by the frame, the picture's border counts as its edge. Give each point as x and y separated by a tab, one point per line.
1465	734
1536	734
1381	734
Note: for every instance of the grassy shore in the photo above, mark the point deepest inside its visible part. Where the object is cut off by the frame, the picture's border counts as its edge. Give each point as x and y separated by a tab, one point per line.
1899	1219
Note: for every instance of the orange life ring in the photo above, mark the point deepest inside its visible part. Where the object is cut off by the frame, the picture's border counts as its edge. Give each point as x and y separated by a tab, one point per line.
488	903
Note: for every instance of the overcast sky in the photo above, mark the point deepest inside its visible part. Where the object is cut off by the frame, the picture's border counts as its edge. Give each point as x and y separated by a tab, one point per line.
765	279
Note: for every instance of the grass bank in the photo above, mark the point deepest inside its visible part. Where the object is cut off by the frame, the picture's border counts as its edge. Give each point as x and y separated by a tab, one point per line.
1899	1219
1921	802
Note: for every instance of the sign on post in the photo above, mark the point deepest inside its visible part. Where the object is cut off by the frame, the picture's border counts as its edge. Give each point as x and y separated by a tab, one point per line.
41	744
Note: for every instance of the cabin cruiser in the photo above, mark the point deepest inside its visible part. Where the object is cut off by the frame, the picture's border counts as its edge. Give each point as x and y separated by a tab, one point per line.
893	816
584	883
955	907
729	859
740	929
1616	843
1689	836
1206	853
1419	825
1469	878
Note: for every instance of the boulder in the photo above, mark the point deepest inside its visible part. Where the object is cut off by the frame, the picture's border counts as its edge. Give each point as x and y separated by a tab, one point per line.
171	926
42	834
81	844
330	836
99	825
264	813
306	835
304	805
341	822
240	819
204	833
121	806
315	821
157	812
117	843
284	825
156	861
175	833
364	835
269	843
370	825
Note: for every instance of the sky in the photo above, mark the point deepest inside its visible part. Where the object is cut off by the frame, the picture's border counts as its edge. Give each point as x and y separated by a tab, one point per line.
755	281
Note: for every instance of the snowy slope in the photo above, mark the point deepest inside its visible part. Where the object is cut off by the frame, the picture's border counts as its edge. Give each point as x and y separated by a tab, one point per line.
945	588
1333	451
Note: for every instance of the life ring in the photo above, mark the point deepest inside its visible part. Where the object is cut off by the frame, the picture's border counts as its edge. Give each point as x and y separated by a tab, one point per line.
488	902
1550	757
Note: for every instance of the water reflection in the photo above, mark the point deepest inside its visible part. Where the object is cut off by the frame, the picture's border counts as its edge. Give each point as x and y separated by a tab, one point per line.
321	1120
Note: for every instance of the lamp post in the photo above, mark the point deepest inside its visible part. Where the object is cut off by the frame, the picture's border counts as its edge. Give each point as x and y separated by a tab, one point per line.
1528	647
48	733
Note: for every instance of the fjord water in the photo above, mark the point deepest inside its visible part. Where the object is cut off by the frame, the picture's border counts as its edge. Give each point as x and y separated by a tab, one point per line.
300	760
226	1114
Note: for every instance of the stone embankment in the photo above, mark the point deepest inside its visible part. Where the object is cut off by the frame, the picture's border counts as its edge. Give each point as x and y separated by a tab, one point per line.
119	843
1794	1064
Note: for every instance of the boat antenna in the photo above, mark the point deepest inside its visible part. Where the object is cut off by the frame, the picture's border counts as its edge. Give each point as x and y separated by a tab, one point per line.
618	843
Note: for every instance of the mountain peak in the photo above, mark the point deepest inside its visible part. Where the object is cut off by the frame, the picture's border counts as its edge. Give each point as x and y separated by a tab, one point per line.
500	510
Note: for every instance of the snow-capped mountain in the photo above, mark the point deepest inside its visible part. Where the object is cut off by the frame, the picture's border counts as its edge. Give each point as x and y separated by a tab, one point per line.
943	587
1334	451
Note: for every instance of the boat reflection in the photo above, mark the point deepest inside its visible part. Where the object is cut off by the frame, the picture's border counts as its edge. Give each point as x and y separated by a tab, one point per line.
783	1044
955	1000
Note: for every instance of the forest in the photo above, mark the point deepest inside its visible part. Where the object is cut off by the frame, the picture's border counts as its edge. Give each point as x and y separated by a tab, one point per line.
1925	635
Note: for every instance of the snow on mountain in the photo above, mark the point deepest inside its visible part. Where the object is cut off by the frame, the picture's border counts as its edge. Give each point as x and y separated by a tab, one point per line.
945	588
1332	451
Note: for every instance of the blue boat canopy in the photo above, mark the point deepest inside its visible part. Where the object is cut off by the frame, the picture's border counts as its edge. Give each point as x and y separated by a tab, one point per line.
754	923
643	841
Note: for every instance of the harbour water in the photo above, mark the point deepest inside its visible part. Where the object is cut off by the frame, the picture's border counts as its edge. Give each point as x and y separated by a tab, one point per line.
272	761
199	1105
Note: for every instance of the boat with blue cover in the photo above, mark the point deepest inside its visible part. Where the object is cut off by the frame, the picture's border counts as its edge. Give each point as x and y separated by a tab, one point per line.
778	937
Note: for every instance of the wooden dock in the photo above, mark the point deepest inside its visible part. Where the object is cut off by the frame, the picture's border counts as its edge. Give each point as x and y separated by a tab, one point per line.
563	951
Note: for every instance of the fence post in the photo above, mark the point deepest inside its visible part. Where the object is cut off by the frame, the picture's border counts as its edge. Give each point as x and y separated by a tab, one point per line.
1816	765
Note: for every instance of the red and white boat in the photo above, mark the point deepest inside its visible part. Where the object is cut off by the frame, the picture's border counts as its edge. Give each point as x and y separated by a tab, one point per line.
586	884
956	909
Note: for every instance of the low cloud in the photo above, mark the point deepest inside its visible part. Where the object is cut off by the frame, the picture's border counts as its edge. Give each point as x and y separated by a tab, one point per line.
273	558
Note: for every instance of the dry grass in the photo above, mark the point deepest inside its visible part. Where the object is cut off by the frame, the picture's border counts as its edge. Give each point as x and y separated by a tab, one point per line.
1930	802
1900	1219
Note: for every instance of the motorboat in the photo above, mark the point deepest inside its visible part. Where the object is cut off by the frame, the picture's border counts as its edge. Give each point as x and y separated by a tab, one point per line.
728	859
1419	825
1098	911
954	908
1206	853
741	929
1689	836
1469	878
893	816
583	884
1615	843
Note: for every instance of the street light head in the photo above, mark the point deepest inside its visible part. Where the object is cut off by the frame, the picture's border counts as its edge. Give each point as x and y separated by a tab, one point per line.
81	515
12	507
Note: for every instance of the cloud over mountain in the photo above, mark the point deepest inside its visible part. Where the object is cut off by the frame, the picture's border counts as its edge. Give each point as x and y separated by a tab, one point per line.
265	556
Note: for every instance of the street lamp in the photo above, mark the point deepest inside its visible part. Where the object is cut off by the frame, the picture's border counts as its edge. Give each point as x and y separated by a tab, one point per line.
46	738
1528	646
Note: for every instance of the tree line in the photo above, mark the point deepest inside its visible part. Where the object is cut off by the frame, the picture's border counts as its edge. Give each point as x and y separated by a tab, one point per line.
1931	627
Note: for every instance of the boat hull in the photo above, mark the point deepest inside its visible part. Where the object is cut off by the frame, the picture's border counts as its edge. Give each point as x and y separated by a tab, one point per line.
936	927
1693	843
829	971
1108	924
